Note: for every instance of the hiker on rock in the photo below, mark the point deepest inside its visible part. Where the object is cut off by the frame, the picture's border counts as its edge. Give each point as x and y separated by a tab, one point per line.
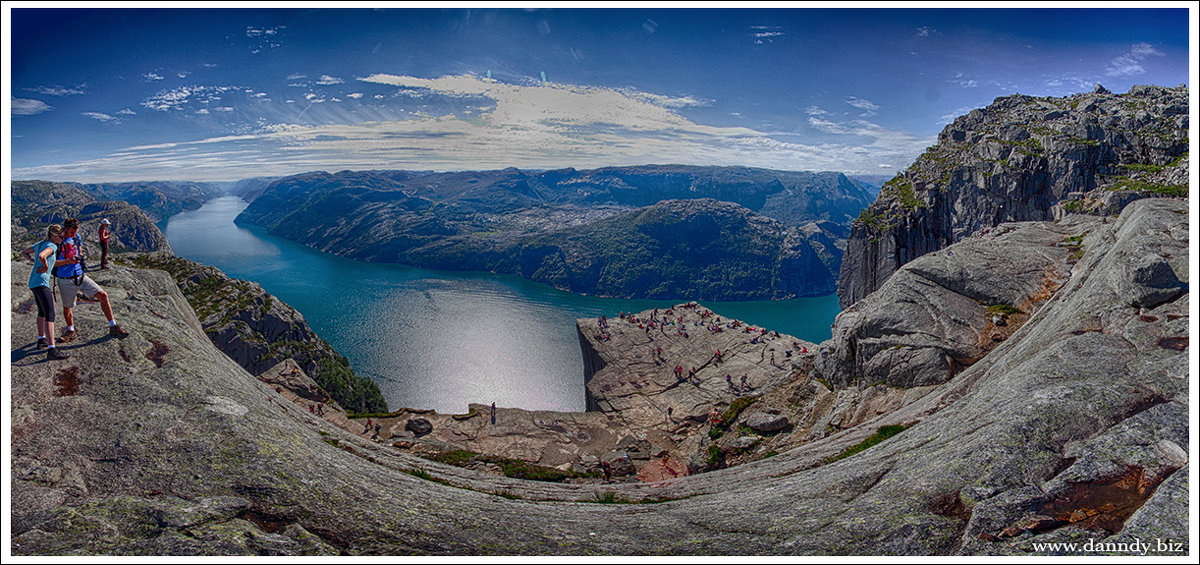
72	280
39	283
103	233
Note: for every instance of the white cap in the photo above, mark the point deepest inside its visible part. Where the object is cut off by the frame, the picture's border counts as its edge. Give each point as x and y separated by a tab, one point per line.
105	221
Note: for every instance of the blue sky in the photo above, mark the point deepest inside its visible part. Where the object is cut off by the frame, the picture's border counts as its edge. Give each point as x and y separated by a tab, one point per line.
222	94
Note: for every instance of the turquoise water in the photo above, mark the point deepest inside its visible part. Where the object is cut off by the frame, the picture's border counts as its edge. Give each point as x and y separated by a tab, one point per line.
441	339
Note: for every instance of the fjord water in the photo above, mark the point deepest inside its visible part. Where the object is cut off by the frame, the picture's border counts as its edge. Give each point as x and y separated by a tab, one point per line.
441	339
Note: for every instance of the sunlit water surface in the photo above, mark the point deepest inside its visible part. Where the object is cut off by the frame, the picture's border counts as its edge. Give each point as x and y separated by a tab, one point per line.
441	339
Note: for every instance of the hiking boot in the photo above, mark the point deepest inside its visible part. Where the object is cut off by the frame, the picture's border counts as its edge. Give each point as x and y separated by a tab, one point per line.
69	336
55	353
117	331
41	343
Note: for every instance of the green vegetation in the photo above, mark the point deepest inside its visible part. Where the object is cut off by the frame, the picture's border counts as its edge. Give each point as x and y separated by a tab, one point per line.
883	433
1175	190
874	221
1074	206
422	474
735	409
715	456
902	189
1030	145
1143	168
1003	309
610	497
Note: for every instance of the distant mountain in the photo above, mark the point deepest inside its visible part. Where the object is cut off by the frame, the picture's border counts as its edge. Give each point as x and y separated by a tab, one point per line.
249	189
158	199
581	230
870	183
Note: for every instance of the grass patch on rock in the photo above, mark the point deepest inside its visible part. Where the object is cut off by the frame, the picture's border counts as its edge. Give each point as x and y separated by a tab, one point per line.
881	434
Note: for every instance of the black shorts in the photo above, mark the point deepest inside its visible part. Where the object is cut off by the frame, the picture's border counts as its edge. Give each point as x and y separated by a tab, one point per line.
45	302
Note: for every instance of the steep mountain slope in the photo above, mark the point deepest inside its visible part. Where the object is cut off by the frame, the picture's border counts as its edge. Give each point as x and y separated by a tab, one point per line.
1015	160
582	222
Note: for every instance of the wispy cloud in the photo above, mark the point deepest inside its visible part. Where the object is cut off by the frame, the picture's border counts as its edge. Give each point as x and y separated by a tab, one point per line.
765	34
28	107
264	37
326	80
869	108
540	125
102	117
178	98
926	31
1130	64
151	77
58	90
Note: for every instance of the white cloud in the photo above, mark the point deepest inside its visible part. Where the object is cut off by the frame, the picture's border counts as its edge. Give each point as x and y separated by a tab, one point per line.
869	108
925	31
57	90
151	77
355	95
530	126
177	98
296	76
202	111
126	112
101	117
28	107
1130	64
326	80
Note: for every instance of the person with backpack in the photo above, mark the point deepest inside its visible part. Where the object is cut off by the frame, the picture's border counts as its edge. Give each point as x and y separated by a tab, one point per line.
73	280
42	254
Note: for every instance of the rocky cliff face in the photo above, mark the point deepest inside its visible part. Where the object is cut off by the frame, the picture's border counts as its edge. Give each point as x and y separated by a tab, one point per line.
1015	160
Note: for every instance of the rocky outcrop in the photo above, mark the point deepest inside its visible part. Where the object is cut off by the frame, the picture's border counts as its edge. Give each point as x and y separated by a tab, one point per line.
259	331
944	311
1074	428
1017	160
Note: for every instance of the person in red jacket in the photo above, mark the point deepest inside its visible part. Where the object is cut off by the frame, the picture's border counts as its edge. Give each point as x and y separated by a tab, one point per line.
104	243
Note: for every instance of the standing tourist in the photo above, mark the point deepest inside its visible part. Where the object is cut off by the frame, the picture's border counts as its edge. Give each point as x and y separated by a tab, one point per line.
104	243
72	280
39	283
